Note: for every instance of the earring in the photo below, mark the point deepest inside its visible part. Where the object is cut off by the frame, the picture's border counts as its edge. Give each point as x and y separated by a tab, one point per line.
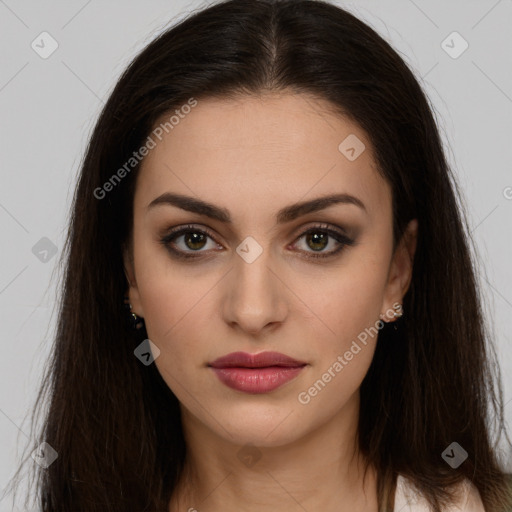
137	322
399	310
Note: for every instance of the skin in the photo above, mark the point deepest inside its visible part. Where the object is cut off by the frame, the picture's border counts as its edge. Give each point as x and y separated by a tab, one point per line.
254	156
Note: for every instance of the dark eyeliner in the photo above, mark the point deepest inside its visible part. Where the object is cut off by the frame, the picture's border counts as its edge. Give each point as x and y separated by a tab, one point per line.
341	238
175	233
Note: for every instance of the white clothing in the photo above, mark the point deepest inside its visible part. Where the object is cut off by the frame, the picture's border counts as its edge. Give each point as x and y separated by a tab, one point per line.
406	500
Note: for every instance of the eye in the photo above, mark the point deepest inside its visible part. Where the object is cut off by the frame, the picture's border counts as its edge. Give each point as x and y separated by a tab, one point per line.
184	241
319	237
192	237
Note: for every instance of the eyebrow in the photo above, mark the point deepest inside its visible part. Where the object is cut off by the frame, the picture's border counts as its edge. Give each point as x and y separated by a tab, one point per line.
286	214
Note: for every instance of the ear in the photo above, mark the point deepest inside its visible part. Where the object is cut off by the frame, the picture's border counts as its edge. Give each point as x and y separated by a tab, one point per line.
400	273
129	272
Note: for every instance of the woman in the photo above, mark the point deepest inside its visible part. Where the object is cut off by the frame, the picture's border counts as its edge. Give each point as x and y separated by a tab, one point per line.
266	192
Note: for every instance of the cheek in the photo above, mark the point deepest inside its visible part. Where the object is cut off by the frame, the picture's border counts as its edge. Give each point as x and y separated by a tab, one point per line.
160	286
346	301
344	353
175	301
173	313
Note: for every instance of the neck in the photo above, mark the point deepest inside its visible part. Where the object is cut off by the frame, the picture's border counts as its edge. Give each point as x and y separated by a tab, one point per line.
322	470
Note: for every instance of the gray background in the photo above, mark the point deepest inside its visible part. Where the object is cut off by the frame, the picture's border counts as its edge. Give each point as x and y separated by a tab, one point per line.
48	107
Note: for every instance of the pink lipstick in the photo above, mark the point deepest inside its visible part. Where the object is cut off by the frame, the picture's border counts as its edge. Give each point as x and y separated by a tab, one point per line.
256	373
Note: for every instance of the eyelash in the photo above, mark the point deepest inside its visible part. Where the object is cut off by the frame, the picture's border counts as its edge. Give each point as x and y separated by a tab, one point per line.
323	228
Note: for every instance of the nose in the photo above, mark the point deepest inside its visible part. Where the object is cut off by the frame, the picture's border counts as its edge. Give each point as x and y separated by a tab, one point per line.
256	296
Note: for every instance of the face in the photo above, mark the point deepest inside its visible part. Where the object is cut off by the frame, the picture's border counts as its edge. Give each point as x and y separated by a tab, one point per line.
250	272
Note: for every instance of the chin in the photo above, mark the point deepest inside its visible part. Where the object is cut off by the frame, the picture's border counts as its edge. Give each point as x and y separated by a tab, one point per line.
266	427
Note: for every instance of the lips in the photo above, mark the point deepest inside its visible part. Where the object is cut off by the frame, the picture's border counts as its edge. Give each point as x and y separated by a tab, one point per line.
261	360
256	373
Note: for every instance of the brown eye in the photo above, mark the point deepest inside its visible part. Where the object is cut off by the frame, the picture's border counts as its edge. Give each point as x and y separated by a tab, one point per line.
318	238
193	241
189	242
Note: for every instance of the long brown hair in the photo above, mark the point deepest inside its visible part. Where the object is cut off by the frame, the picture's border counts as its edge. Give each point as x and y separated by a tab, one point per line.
114	422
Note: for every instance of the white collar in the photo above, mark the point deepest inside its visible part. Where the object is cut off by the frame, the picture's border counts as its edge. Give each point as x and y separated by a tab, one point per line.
408	500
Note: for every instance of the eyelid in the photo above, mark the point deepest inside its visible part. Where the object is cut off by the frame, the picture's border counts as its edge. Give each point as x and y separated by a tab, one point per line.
324	226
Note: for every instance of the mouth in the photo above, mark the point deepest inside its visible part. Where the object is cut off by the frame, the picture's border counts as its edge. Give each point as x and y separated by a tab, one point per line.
261	360
256	373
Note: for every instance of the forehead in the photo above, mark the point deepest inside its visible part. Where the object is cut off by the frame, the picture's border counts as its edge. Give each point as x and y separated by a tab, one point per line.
274	148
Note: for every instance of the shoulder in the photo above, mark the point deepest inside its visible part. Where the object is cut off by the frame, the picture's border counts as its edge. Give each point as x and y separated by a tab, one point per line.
408	500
